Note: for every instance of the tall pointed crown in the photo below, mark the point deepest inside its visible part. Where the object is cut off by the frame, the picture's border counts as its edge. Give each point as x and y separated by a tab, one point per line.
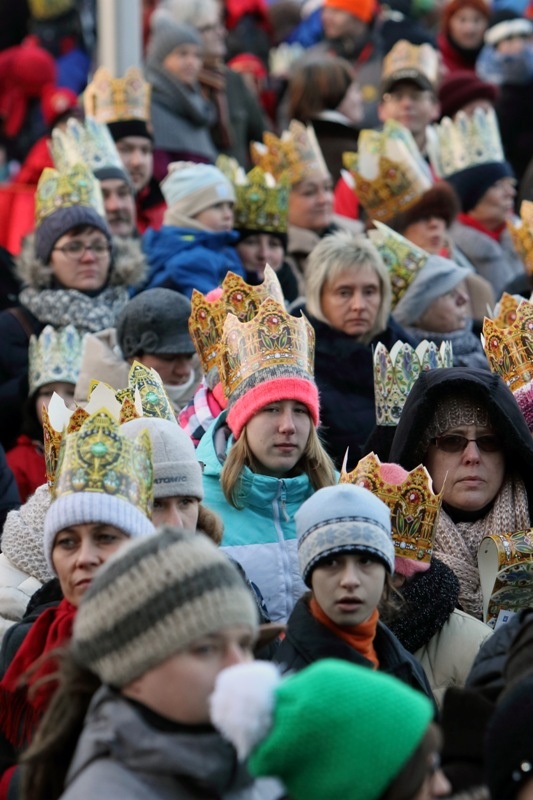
466	141
272	340
413	504
89	142
406	60
522	234
70	186
206	322
509	348
396	371
403	259
388	171
146	388
292	157
261	203
55	355
109	99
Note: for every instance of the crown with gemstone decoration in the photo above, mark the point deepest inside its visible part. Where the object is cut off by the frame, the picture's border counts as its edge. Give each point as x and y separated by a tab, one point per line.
413	505
206	322
521	232
504	312
293	157
388	171
54	355
403	259
74	186
396	371
109	99
89	142
144	384
406	60
272	339
466	141
48	9
261	204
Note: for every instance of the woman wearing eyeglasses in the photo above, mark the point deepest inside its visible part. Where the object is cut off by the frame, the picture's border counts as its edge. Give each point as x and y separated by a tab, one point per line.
466	427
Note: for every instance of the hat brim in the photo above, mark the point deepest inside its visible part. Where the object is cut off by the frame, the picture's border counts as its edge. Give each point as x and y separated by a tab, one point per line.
408	75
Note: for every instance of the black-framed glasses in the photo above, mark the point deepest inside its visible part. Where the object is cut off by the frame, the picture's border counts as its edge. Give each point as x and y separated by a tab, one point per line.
77	250
456	443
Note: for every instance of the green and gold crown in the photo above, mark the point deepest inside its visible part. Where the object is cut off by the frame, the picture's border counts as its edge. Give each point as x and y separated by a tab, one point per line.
466	141
261	203
293	157
54	355
509	347
413	505
521	232
272	339
388	171
89	142
73	186
206	322
396	371
403	259
109	99
145	395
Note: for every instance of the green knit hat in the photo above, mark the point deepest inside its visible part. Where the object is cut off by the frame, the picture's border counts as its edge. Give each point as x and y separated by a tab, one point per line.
332	730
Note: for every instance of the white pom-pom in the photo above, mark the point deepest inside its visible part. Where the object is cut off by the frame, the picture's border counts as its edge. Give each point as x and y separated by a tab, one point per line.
242	704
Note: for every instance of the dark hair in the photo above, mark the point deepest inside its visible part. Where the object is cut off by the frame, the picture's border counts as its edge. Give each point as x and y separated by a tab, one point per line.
407	784
317	85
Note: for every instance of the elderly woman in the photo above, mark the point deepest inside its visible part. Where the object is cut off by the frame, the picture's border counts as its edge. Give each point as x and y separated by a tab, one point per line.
466	427
348	303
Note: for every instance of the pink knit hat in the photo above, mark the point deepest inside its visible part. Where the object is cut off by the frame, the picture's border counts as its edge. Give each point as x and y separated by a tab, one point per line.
272	390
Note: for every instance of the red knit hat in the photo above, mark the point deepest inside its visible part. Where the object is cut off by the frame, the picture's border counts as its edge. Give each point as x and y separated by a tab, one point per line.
462	87
301	389
365	10
56	101
454	6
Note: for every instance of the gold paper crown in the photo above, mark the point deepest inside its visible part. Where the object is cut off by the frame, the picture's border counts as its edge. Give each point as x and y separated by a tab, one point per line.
406	60
509	349
89	142
261	204
522	234
413	505
403	259
144	385
272	339
54	356
75	186
109	99
293	157
504	313
396	372
466	141
206	322
48	9
388	171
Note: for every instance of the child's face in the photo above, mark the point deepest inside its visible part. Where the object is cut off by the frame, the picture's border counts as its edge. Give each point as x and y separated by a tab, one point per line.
184	63
512	46
44	395
348	587
217	218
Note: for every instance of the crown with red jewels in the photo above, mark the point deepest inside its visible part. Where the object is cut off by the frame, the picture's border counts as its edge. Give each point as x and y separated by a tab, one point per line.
521	232
291	157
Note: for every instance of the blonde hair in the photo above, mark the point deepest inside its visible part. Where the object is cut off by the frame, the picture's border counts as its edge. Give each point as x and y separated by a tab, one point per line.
342	252
315	463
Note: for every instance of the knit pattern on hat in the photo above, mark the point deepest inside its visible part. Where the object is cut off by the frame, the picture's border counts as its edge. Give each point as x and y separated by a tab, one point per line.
92	507
155	598
22	536
165	36
59	222
189	189
155	321
453	411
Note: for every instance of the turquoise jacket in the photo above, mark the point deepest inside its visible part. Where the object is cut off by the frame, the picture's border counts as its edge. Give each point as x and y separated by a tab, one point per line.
261	536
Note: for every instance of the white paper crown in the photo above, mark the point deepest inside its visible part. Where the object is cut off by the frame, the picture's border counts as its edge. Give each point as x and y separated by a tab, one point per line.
466	141
54	356
89	142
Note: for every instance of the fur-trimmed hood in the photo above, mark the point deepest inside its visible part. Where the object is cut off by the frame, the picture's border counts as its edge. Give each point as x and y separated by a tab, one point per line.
128	267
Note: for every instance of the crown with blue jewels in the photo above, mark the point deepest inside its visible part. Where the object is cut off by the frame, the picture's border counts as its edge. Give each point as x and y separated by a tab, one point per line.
89	142
403	259
108	99
468	140
73	185
396	371
54	355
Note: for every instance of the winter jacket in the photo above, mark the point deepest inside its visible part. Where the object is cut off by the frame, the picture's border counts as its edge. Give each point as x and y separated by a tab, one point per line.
261	536
150	206
127	751
16	590
184	259
26	461
307	640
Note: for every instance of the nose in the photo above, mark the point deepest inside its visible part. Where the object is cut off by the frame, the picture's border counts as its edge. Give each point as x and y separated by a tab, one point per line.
286	422
358	301
173	517
235	654
111	203
471	453
88	254
350	575
88	554
440	785
461	298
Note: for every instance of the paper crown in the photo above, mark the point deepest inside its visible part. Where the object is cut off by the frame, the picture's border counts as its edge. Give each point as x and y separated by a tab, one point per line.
466	141
109	99
406	60
292	157
273	339
71	186
396	371
521	232
388	171
54	355
403	259
413	505
206	322
261	203
145	396
89	142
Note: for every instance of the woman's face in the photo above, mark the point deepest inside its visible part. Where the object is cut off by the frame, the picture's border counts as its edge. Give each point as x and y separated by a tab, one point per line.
496	205
473	475
178	511
447	313
311	204
258	250
351	301
429	234
467	27
44	395
81	260
277	436
79	551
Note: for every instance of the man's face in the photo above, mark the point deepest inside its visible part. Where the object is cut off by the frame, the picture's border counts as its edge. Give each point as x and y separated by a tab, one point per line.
136	153
411	106
338	24
119	205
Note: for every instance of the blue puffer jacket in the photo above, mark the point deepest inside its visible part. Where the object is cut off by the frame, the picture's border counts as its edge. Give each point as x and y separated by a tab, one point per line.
184	259
261	536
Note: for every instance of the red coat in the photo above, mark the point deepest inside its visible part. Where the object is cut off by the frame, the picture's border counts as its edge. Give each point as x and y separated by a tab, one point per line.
26	461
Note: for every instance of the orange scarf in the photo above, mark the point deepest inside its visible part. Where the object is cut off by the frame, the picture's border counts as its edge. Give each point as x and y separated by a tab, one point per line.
360	637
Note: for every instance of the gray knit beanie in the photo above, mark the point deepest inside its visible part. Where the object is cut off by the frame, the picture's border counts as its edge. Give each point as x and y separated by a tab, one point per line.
22	536
152	600
166	35
437	277
155	321
60	222
177	471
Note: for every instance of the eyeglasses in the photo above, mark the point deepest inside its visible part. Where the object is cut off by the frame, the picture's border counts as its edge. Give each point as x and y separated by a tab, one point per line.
455	443
76	250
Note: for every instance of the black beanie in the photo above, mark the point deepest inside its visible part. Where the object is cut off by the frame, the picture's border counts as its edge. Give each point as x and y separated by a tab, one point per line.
472	183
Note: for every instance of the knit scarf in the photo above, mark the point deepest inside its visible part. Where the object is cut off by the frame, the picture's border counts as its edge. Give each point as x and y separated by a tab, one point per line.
62	307
25	697
471	222
360	637
457	544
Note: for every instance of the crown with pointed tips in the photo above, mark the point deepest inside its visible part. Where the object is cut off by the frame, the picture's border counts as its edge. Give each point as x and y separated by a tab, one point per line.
407	61
413	505
206	322
89	142
521	232
509	349
144	385
504	313
403	259
466	141
73	186
293	157
272	340
109	99
261	203
54	355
